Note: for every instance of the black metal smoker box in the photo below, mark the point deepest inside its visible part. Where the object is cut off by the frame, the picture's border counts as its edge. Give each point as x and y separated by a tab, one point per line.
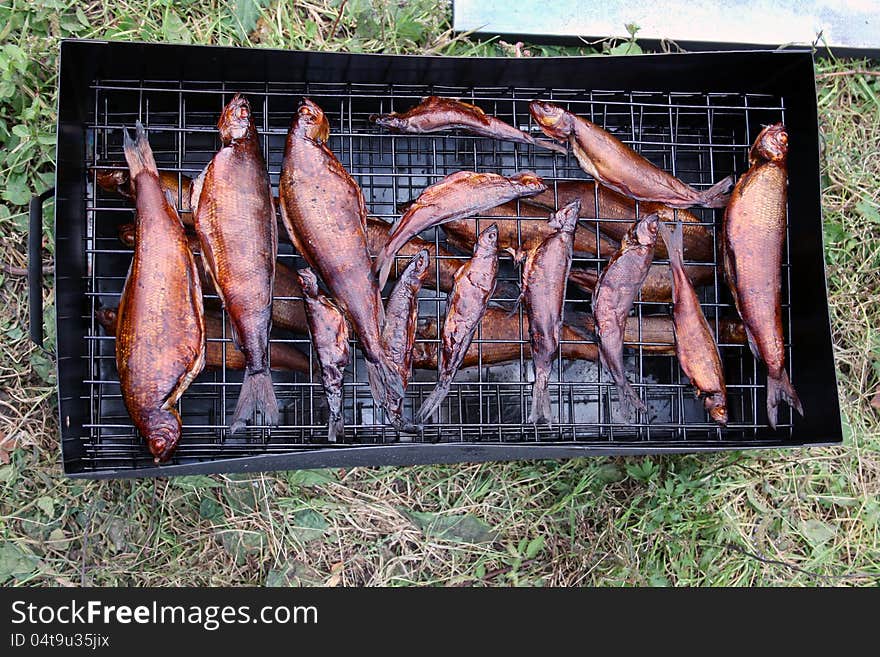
692	114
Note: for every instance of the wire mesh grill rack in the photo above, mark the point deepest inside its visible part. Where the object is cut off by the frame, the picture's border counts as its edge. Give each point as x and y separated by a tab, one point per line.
699	137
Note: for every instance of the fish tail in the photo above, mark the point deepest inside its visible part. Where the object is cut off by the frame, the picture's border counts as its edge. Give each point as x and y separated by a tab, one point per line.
541	399
386	386
336	423
551	146
138	153
780	389
382	265
716	196
432	403
256	393
629	398
674	244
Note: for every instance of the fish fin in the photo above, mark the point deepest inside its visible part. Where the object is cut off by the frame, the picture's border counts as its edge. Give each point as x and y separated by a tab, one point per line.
382	266
717	195
335	428
256	393
552	146
780	389
674	243
138	153
629	398
541	412
432	403
385	383
753	346
195	190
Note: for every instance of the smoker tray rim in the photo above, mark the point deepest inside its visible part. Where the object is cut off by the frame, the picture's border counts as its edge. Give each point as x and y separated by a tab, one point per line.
409	453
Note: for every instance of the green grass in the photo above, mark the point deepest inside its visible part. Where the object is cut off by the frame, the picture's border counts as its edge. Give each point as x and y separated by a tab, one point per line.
800	517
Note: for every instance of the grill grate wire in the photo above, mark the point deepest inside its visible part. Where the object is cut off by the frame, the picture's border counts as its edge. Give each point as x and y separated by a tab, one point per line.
699	137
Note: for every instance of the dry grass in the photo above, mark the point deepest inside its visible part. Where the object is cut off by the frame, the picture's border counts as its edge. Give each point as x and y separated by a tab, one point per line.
800	517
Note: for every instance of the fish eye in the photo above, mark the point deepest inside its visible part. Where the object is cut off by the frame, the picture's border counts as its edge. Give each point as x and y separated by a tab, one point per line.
243	112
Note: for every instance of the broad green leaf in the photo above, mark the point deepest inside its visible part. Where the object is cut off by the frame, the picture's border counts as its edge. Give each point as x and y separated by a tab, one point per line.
294	574
14	562
308	525
47	505
210	509
817	532
461	528
195	481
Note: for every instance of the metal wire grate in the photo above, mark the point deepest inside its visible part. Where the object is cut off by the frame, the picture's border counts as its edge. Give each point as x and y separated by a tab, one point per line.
698	137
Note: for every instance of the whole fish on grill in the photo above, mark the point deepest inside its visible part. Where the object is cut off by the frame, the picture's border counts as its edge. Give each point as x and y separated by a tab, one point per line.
238	235
324	212
435	114
220	353
613	298
694	345
544	277
616	165
617	213
160	346
460	195
401	317
752	239
329	332
465	307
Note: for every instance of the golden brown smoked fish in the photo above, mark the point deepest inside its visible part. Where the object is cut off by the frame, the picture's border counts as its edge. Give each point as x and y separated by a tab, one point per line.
657	285
325	214
613	298
284	357
160	346
435	114
544	276
329	332
618	213
694	345
616	165
465	307
235	222
460	195
399	332
753	234
287	312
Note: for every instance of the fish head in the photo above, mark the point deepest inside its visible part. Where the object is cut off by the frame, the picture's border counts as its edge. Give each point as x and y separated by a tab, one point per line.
310	122
163	435
419	264
236	121
565	219
771	144
528	183
556	122
392	121
308	282
107	318
717	407
127	234
114	180
487	242
645	231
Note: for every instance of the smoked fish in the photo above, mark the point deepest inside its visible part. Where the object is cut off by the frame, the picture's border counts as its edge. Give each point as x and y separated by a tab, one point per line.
616	165
695	347
435	114
613	298
401	318
544	278
465	307
459	195
752	239
325	215
283	356
160	346
238	235
657	285
329	332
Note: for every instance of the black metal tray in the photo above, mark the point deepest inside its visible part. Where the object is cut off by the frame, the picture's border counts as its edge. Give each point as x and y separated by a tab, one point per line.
693	114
